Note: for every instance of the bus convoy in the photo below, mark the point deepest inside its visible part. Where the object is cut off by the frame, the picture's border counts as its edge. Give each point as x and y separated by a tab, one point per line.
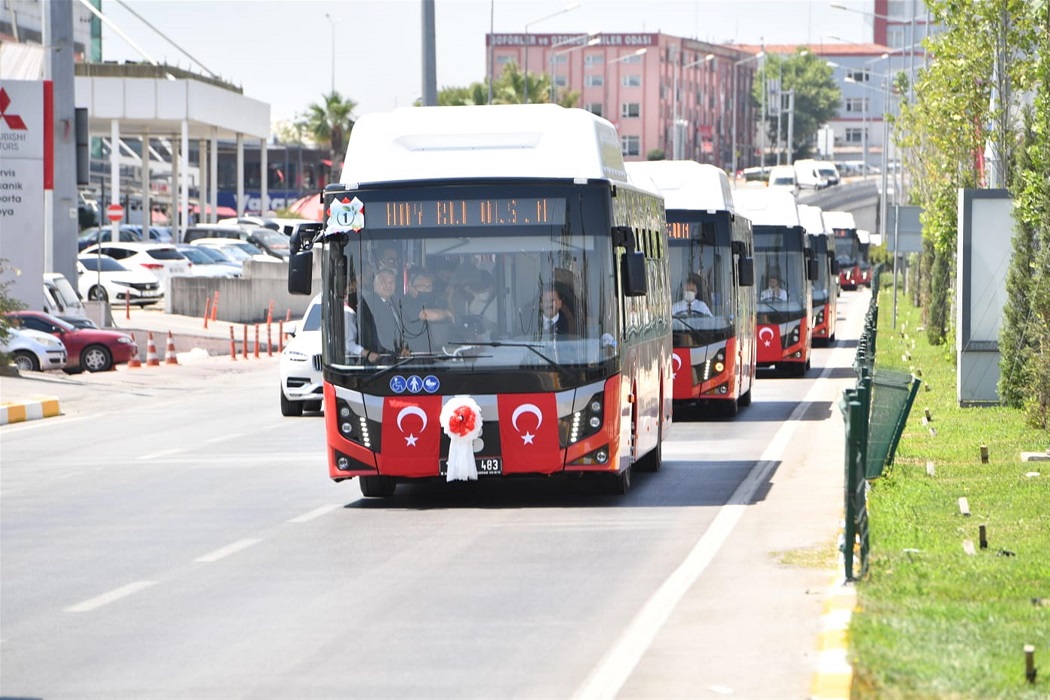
851	249
712	273
502	295
826	285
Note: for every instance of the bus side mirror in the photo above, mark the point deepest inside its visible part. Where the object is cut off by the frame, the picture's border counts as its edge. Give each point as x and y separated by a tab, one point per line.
632	272
812	269
835	269
301	258
746	272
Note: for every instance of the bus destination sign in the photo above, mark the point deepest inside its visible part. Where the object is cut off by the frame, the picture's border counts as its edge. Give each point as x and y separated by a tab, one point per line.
522	211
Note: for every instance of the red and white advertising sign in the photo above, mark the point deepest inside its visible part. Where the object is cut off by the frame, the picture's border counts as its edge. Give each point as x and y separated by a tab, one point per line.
114	212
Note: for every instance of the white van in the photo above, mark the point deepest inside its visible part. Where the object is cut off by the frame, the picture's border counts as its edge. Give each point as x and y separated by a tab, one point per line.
60	298
782	177
807	176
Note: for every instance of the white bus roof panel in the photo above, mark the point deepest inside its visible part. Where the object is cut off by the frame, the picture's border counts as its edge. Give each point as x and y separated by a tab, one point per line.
686	184
839	219
489	141
768	207
812	219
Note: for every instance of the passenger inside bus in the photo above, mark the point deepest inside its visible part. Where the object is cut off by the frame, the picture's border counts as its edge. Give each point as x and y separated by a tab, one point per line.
382	328
555	323
474	305
426	315
690	304
773	291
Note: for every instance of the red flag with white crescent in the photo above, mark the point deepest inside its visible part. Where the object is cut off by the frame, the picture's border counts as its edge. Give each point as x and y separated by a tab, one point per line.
411	434
682	368
528	432
769	348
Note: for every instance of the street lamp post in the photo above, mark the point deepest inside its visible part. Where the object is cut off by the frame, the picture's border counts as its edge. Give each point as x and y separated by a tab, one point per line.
565	9
605	79
736	101
676	150
333	22
593	38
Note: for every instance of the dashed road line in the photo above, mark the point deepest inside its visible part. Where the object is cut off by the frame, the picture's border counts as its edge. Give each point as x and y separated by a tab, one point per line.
110	597
226	551
316	513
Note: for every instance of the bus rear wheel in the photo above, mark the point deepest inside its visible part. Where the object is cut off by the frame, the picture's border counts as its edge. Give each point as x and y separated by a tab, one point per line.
377	486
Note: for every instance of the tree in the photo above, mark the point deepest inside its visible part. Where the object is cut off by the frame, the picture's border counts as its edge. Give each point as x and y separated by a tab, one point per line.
508	89
7	303
817	97
331	122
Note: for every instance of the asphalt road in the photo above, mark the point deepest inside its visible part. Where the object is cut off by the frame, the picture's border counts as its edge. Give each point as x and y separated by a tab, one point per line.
172	536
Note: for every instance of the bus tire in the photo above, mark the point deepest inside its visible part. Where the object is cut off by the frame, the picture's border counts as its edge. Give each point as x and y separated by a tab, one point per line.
745	398
620	484
652	459
377	486
797	369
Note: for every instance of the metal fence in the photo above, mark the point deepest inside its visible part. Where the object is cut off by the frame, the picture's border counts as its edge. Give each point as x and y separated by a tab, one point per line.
875	412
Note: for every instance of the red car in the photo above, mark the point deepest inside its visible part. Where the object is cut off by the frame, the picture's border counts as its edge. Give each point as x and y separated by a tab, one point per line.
91	349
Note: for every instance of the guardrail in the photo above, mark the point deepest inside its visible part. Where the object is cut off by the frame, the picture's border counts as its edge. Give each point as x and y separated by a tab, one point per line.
875	412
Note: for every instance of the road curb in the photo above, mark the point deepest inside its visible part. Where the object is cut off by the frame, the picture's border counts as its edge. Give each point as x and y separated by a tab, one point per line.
834	674
29	409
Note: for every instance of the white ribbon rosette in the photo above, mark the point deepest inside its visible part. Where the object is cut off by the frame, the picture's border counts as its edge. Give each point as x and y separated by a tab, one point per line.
461	421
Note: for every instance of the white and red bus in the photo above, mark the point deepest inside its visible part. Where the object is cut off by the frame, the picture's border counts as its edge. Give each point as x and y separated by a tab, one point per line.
712	281
851	253
784	270
826	285
496	300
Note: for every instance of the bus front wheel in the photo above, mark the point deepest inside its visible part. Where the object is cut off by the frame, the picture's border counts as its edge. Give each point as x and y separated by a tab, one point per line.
377	486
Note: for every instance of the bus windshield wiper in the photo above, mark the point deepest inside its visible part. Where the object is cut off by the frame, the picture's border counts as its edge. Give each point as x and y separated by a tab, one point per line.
512	344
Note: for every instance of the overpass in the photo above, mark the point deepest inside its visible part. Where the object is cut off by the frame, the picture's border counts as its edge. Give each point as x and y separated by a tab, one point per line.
860	197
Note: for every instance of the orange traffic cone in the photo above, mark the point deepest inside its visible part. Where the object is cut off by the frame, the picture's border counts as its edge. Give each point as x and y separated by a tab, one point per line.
134	361
169	352
152	360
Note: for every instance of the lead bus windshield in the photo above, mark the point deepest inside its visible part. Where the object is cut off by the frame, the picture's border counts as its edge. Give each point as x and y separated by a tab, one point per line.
473	279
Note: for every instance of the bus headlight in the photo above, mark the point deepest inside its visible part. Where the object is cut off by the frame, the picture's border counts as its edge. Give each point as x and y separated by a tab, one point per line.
584	423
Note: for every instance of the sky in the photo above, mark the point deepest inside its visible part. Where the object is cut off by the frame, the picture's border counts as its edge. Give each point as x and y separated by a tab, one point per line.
281	51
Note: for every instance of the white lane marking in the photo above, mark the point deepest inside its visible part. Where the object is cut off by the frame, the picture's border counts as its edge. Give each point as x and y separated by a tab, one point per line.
227	550
315	513
620	661
107	598
221	438
163	453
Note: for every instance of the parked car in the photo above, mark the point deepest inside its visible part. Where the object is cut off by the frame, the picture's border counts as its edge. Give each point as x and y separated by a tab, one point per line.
223	257
34	351
102	278
60	298
203	264
90	236
300	364
157	234
248	251
199	231
162	259
94	350
273	242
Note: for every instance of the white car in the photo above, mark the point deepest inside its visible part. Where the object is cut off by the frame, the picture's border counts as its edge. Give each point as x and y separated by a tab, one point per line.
203	264
34	351
301	378
101	278
242	249
162	259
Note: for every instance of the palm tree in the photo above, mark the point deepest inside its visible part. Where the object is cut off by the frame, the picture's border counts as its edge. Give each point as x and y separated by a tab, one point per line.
332	121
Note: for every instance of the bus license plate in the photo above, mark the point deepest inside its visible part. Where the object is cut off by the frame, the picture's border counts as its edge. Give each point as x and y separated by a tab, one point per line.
487	466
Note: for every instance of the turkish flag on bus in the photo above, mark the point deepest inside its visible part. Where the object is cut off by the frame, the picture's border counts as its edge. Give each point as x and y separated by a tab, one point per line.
528	432
682	365
411	435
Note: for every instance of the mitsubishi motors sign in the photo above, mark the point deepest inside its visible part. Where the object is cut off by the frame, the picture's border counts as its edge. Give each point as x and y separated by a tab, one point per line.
26	145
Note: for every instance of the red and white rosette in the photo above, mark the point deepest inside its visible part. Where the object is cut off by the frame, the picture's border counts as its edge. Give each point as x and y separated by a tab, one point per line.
461	421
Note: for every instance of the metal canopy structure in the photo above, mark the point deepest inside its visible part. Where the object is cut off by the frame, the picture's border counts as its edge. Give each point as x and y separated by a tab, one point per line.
157	101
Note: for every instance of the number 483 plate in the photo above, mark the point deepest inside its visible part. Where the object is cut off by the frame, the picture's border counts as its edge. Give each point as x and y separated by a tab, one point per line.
487	466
